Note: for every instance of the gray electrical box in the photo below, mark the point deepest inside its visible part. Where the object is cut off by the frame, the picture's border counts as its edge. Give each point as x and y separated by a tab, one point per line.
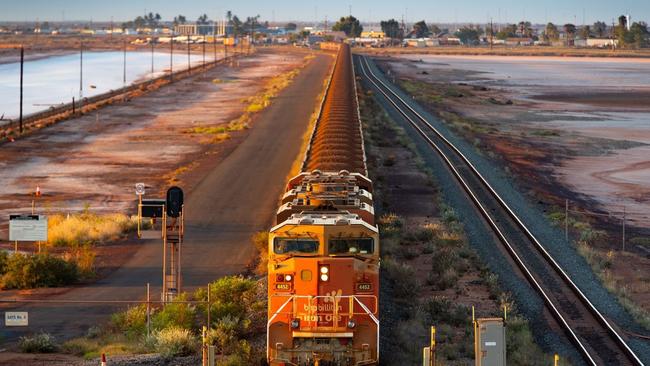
490	342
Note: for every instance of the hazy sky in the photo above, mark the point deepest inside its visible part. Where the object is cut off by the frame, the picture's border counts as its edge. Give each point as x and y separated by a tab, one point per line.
538	11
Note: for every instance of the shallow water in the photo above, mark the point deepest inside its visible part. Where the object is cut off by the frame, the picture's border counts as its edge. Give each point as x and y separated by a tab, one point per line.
607	73
55	80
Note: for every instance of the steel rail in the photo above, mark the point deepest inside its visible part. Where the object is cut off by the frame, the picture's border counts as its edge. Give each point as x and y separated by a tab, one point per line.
601	319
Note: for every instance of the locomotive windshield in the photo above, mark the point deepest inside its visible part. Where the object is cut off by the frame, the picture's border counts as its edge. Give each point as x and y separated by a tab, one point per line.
292	245
351	246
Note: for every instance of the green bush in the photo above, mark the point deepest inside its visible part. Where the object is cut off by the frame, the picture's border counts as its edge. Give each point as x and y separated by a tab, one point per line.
174	342
37	343
132	322
236	297
520	345
176	314
40	270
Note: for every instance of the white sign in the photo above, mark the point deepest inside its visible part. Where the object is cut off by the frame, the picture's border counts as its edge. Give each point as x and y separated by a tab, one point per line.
16	319
490	344
139	189
27	228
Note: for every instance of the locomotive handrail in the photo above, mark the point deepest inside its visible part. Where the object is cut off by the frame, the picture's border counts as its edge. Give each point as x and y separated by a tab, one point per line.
351	298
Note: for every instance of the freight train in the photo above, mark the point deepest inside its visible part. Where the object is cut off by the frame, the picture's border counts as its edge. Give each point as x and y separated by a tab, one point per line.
323	265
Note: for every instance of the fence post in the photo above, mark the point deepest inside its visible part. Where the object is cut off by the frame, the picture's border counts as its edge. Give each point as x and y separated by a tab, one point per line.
623	228
148	311
22	61
204	347
209	307
566	220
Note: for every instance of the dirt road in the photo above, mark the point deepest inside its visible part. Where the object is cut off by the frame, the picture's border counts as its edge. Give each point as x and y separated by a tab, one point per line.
233	199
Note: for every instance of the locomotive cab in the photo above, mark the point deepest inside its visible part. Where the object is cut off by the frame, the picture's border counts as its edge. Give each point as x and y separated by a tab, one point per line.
323	290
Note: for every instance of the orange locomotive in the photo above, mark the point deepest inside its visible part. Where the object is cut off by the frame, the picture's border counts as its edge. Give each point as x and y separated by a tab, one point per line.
323	267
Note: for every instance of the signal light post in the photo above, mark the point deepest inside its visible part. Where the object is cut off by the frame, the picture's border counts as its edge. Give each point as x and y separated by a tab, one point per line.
173	222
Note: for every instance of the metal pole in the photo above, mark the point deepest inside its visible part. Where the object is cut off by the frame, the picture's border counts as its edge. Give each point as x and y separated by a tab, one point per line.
209	307
81	69
152	49
148	310
566	220
623	228
171	58
124	66
164	284
22	61
73	106
203	66
188	53
214	44
225	44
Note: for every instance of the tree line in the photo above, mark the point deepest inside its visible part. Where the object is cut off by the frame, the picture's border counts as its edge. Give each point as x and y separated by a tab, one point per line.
637	36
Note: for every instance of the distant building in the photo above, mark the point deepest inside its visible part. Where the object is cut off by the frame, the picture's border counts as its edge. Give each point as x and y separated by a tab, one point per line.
516	41
193	29
596	42
373	34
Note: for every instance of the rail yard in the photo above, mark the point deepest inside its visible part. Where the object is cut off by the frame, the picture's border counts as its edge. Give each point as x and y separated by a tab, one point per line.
241	191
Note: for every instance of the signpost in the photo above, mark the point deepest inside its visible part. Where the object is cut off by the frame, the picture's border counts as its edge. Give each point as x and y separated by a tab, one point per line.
139	189
16	319
27	228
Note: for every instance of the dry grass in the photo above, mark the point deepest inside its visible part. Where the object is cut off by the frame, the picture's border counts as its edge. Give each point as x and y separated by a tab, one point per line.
601	263
173	178
88	228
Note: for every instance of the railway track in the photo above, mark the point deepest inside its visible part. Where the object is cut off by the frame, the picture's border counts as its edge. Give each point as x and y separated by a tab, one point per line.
596	339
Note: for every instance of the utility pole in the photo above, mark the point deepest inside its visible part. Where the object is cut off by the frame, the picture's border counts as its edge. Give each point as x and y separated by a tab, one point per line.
188	53
624	228
124	66
491	33
203	66
152	52
22	61
81	69
250	39
171	58
566	220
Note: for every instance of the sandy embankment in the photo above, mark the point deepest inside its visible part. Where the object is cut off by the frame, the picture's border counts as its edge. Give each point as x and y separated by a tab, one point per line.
599	109
96	159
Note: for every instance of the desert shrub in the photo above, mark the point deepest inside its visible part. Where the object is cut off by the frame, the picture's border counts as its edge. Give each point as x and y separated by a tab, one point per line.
640	240
227	333
261	242
403	281
174	342
176	314
243	356
408	252
444	259
440	309
38	343
4	259
236	297
40	270
520	345
131	322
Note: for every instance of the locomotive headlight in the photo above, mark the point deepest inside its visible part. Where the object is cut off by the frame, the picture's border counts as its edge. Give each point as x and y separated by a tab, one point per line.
295	323
324	270
288	278
352	323
324	277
